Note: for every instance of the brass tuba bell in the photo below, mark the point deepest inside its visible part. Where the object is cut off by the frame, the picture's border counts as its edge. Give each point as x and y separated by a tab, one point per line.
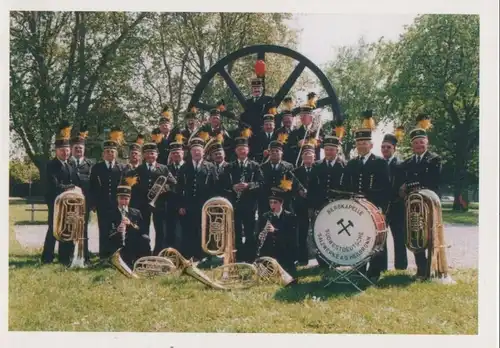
424	231
69	222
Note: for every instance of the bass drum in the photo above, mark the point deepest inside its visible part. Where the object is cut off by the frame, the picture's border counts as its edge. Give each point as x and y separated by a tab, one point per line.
348	231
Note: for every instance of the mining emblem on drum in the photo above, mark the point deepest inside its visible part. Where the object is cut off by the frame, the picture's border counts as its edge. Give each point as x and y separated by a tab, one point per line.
345	232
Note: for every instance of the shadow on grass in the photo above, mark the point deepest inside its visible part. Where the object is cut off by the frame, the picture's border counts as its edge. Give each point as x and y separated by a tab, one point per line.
30	223
24	261
303	290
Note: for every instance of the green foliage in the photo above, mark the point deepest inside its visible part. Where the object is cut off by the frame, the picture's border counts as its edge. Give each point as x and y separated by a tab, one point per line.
22	172
434	68
357	79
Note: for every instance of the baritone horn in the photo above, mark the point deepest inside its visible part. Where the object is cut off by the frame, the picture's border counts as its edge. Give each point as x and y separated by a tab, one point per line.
160	186
425	232
69	222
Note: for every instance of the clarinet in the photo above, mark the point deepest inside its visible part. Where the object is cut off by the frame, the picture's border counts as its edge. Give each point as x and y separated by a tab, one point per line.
263	236
242	180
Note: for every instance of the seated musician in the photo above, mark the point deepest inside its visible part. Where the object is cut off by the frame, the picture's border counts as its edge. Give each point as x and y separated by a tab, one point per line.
421	170
127	235
278	237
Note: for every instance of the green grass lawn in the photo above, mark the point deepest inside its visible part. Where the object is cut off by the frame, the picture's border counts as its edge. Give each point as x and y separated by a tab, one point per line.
52	298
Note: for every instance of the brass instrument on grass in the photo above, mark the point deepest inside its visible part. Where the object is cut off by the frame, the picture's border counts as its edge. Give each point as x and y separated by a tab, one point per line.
150	266
424	231
117	261
69	222
270	270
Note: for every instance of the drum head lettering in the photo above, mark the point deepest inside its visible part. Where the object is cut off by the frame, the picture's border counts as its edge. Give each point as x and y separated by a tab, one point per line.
344	232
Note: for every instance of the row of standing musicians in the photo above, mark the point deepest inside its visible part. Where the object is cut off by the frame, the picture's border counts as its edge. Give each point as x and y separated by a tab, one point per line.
248	184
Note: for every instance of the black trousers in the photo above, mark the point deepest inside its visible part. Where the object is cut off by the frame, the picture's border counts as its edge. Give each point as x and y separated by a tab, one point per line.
106	246
191	232
397	225
159	224
302	213
169	240
65	248
244	225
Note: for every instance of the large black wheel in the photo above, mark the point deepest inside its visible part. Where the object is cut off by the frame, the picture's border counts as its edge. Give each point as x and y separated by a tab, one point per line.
260	52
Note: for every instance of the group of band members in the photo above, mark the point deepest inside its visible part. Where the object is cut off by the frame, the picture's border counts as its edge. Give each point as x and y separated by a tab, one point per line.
259	177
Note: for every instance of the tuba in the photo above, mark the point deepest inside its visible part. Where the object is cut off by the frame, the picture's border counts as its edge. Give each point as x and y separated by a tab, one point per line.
424	231
69	222
218	238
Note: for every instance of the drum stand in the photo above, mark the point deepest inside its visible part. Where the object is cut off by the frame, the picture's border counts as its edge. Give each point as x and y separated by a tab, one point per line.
348	274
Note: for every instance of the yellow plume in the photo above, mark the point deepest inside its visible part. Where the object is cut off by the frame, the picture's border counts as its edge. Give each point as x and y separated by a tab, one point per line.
204	136
288	103
285	185
246	133
117	136
369	123
65	133
283	138
399	133
84	134
339	132
273	111
423	121
157	138
312	141
311	100
179	138
131	180
219	137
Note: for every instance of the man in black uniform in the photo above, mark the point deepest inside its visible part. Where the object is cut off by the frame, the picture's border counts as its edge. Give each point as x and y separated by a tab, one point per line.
285	118
165	127
197	180
241	180
174	220
396	210
327	174
288	127
303	134
61	176
135	160
104	179
126	230
421	170
369	175
278	232
259	142
256	106
273	172
83	168
148	173
303	203
215	129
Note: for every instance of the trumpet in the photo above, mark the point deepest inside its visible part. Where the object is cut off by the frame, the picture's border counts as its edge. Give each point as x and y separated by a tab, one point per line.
160	186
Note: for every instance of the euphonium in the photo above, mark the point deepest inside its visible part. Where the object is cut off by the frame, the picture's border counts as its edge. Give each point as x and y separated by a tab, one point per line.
69	222
160	186
424	231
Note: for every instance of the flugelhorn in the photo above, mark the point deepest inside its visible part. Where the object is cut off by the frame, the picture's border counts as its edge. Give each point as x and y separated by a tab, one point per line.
69	222
424	231
270	270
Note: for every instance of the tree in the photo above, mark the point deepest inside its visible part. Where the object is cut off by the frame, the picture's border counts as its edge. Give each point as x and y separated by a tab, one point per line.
183	46
434	68
67	65
357	79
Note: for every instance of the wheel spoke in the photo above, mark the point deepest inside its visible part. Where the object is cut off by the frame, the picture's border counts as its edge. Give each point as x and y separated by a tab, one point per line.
232	86
287	86
205	107
323	101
